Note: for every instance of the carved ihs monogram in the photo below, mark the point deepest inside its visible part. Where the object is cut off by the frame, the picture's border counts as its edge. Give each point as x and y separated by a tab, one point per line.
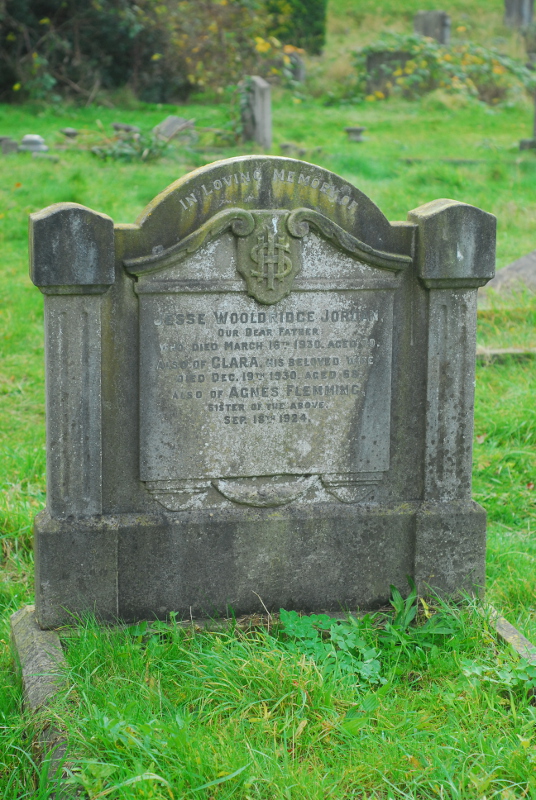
271	255
269	258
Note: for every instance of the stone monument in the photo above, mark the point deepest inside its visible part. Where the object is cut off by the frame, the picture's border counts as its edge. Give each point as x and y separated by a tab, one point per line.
256	111
518	13
435	24
261	389
381	66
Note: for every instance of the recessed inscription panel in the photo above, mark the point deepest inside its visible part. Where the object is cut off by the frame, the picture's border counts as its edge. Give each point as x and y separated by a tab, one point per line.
230	388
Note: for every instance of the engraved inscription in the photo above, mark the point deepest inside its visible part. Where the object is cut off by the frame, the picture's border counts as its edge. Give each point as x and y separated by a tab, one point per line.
251	179
230	390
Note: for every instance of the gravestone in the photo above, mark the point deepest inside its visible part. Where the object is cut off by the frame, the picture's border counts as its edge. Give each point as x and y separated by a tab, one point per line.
256	111
381	66
355	133
529	35
171	126
9	146
33	143
261	389
298	70
517	276
434	24
518	13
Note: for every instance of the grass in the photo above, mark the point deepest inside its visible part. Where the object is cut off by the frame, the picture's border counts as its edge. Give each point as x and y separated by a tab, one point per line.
222	701
258	714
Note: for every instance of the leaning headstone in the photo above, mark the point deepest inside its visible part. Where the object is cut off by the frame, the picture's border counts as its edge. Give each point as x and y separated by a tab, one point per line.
33	143
434	24
257	111
172	126
261	389
518	13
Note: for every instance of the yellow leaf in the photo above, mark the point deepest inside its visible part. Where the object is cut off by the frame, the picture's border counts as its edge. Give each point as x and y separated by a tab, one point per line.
300	728
426	608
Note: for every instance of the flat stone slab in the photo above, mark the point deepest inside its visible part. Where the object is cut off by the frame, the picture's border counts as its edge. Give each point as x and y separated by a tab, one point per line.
171	126
517	275
489	355
523	647
39	659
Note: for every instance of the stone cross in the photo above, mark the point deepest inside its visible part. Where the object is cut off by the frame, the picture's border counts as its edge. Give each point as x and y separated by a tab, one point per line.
435	24
262	388
257	111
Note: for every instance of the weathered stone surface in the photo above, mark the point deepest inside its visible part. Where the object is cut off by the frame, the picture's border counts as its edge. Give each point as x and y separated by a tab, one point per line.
39	658
40	661
518	13
257	111
518	275
9	146
33	143
434	24
466	257
70	245
355	133
274	397
171	126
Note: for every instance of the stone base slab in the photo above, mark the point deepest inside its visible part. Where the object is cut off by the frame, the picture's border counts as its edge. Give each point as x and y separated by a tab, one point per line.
322	557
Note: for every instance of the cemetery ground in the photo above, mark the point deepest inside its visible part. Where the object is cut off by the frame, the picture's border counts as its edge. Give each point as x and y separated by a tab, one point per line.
154	712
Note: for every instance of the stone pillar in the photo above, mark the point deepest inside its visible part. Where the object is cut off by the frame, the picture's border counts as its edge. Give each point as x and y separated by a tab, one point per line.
257	112
435	24
518	13
455	255
72	263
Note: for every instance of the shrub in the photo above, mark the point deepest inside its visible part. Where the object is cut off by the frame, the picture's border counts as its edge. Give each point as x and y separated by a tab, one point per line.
419	65
299	22
161	49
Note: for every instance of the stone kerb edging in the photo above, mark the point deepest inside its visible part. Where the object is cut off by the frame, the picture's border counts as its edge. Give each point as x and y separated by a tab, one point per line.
39	659
489	355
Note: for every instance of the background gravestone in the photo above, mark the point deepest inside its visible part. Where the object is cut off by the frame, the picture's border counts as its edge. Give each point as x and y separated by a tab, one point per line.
435	24
257	111
518	13
262	388
380	67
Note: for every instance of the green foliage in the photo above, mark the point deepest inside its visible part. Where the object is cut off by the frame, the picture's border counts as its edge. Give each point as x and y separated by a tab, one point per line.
137	146
337	647
162	50
157	710
422	65
301	23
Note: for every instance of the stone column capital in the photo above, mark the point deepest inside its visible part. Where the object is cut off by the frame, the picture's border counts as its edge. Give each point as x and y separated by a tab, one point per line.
455	246
71	250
